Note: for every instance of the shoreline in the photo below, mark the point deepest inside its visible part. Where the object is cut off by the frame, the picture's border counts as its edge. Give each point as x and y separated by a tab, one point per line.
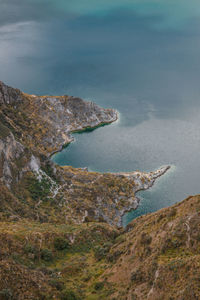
134	205
170	168
92	196
152	176
84	129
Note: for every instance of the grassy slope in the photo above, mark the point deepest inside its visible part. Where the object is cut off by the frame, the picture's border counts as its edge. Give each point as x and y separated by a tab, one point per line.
52	260
157	257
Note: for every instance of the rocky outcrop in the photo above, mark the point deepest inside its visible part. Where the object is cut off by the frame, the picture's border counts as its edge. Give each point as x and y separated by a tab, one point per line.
143	180
47	121
10	153
8	95
125	199
15	160
63	115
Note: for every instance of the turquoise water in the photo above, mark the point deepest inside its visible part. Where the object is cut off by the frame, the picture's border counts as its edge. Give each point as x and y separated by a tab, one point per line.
141	57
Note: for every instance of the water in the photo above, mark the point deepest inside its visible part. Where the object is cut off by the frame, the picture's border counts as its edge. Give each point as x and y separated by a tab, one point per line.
138	56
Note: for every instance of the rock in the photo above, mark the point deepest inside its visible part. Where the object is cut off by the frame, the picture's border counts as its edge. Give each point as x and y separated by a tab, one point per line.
9	95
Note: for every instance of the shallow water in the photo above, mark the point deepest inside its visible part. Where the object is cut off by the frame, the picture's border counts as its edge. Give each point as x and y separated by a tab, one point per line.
138	56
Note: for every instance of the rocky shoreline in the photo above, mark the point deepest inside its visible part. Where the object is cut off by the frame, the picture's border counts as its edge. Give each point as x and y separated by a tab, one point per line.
142	181
32	128
82	130
139	180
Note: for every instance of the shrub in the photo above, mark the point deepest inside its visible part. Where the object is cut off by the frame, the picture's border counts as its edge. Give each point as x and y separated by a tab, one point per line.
46	255
61	243
172	212
38	189
30	249
147	251
101	252
45	271
170	244
6	294
138	276
145	239
56	284
129	227
160	217
112	257
49	170
99	286
69	295
134	297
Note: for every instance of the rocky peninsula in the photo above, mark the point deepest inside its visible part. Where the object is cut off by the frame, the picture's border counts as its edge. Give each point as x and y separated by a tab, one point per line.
32	128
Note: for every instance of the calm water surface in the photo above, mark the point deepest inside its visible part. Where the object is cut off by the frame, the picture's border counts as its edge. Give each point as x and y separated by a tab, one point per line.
141	57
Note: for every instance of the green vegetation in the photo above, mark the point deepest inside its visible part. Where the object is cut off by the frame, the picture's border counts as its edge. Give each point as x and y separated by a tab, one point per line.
68	270
138	276
39	190
46	255
99	286
69	295
59	285
48	169
101	252
6	294
61	243
4	131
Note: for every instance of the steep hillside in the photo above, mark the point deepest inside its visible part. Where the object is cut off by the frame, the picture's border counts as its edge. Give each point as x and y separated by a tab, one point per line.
159	257
60	227
45	261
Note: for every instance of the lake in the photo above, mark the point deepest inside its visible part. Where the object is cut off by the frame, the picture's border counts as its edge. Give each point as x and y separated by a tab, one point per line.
141	57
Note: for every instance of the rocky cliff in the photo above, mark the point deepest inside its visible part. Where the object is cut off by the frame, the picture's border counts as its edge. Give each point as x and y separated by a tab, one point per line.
45	123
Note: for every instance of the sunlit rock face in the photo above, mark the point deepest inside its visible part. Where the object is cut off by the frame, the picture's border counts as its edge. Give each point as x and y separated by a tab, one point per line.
58	116
65	114
9	95
10	151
